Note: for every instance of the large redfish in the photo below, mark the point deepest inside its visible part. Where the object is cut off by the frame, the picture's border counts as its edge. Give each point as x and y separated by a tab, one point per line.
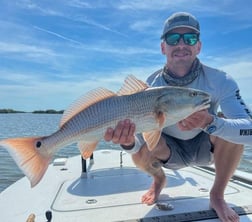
86	121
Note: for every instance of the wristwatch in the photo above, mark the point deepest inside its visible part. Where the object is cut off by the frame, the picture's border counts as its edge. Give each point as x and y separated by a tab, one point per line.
211	127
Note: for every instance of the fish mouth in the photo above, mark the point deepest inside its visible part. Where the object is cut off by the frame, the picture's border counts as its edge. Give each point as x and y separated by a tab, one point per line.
204	104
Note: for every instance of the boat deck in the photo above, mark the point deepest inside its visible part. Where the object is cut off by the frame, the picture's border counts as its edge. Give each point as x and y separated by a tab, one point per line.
111	190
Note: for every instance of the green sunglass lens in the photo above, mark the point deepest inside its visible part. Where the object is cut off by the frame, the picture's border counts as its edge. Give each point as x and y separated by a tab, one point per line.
190	39
172	39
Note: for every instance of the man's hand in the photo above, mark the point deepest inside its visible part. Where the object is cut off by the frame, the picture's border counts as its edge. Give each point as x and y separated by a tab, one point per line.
199	119
123	133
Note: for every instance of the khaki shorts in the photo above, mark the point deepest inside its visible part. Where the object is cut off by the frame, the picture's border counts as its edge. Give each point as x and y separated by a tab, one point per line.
194	152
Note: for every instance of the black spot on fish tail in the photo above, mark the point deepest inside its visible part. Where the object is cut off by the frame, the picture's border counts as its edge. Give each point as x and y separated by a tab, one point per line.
38	144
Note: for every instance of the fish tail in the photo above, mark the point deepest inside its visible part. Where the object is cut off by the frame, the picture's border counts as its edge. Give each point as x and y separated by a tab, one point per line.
29	156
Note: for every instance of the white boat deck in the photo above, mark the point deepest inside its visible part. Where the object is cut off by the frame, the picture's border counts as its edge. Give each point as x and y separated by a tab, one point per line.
112	190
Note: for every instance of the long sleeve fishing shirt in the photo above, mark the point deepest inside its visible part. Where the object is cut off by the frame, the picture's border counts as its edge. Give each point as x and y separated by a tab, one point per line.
236	127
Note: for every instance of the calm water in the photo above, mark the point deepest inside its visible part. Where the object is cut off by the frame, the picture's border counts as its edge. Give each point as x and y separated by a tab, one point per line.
23	125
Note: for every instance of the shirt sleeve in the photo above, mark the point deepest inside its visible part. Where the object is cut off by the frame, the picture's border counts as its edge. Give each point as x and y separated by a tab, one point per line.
236	127
234	130
139	142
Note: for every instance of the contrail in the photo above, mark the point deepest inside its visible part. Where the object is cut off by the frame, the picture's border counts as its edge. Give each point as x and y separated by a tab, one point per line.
98	25
58	35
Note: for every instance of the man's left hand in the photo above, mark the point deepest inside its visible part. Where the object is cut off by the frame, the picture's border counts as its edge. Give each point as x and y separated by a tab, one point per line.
198	119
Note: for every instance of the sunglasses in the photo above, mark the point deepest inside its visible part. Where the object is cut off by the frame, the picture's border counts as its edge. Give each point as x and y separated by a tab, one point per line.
188	38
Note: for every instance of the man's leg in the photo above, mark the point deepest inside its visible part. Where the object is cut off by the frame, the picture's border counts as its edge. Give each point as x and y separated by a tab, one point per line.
226	158
149	161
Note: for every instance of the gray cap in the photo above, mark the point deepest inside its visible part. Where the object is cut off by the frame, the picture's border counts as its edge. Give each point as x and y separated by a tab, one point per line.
181	19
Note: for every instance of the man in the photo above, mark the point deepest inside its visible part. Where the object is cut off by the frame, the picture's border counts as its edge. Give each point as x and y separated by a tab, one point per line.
201	136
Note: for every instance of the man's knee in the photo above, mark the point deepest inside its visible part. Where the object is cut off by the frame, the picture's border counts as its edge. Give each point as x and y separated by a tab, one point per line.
151	160
142	157
222	144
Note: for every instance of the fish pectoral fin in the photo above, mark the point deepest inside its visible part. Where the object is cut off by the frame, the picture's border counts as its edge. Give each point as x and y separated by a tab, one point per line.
87	148
151	138
28	157
132	85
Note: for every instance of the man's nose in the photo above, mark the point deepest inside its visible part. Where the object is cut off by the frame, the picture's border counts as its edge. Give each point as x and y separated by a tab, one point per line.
181	42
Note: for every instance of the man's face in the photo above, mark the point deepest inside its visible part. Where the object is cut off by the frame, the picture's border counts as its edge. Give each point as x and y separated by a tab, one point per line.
180	55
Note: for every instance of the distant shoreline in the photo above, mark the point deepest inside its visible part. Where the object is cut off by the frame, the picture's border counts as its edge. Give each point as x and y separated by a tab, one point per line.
48	111
52	111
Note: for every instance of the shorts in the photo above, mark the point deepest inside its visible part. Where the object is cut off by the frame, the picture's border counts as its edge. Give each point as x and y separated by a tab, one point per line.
197	151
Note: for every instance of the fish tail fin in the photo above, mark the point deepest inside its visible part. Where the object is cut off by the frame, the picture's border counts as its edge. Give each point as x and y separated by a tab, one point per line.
29	155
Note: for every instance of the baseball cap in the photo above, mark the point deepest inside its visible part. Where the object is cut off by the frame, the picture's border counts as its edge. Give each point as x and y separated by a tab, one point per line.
180	19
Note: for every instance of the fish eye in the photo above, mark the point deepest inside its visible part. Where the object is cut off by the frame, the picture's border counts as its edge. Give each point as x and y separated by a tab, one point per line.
38	144
193	94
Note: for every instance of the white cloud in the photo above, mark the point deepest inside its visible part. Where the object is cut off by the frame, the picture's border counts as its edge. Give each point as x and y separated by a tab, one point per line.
151	5
34	92
239	70
45	53
38	7
12	47
93	23
79	4
142	25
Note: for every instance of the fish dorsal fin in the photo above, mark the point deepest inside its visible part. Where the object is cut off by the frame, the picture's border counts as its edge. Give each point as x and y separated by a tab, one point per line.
131	85
85	101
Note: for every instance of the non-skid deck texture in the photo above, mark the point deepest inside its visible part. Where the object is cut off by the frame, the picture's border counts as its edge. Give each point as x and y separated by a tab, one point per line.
112	191
125	186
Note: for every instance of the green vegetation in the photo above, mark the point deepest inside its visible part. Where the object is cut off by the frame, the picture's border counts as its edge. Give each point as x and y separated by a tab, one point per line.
49	111
10	111
52	111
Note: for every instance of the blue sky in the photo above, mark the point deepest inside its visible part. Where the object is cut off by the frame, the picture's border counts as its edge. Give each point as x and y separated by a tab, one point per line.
52	52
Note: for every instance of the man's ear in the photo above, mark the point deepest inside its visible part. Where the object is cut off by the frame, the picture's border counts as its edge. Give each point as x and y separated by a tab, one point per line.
163	47
199	47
